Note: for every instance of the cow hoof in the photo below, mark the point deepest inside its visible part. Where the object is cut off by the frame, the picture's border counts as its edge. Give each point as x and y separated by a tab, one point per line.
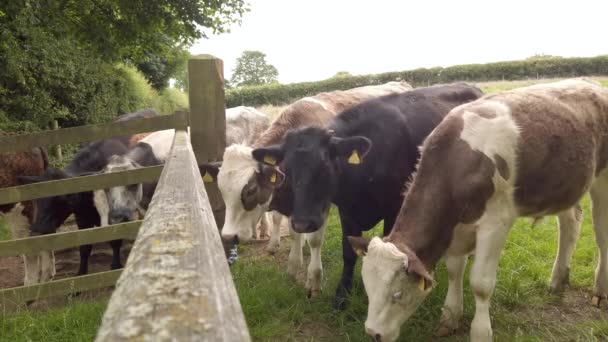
313	294
597	301
444	331
340	304
557	288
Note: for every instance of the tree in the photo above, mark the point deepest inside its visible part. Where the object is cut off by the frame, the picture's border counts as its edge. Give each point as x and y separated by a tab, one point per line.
252	69
341	74
59	59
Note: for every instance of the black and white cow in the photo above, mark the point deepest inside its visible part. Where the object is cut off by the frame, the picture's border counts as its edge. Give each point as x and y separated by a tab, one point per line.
124	203
324	165
128	203
250	188
51	212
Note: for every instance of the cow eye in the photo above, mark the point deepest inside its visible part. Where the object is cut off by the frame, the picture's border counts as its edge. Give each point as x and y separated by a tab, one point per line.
396	296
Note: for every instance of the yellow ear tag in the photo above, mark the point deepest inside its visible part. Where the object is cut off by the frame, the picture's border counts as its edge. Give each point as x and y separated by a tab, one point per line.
268	159
273	178
207	178
354	158
359	252
422	284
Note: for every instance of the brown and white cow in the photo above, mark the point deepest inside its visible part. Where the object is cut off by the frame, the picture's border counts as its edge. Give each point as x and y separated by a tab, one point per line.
244	185
529	152
18	216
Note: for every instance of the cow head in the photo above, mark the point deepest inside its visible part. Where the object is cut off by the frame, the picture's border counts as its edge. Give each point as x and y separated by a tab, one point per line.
246	187
311	159
123	203
395	284
50	212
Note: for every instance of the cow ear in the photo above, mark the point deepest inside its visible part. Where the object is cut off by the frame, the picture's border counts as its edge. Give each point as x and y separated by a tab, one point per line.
29	179
359	244
270	177
269	155
209	171
415	268
353	149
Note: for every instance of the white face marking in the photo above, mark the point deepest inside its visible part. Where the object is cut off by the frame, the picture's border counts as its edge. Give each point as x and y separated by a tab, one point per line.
121	198
238	167
161	143
393	295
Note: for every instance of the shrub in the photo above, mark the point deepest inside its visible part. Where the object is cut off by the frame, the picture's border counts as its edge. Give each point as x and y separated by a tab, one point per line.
538	67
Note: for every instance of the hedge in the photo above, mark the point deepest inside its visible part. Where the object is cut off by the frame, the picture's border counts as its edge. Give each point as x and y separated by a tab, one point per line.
552	67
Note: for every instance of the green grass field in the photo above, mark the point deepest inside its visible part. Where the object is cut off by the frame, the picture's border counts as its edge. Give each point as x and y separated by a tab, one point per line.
277	309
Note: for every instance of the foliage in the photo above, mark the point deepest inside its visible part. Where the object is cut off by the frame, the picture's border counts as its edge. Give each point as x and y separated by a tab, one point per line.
59	58
170	100
340	74
253	69
514	70
159	69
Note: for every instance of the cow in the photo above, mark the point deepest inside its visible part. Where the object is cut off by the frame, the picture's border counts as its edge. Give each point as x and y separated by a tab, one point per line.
245	183
18	216
529	152
325	165
127	203
53	211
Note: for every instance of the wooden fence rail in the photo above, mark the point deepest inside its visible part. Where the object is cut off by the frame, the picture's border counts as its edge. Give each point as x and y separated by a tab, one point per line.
79	134
176	284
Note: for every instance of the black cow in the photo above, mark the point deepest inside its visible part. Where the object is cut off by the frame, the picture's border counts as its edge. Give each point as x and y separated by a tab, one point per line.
323	165
53	211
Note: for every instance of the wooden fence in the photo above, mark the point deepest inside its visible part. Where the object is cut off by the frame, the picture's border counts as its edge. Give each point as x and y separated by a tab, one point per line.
177	281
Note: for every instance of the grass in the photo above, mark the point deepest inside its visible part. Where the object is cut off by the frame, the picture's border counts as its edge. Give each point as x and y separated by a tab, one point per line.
277	309
77	321
4	233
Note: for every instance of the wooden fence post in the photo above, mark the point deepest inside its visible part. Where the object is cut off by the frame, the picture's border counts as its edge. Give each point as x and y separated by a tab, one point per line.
208	119
57	148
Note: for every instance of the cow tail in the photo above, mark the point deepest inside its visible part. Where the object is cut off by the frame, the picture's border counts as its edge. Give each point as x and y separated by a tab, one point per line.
45	157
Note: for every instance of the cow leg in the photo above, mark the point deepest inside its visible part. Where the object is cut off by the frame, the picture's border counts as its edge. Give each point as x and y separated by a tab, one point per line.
452	307
116	263
599	197
85	252
38	268
264	223
569	222
275	238
294	261
491	236
315	267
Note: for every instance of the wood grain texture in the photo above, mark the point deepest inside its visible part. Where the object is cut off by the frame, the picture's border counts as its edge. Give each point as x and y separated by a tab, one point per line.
78	184
79	134
65	240
208	119
9	298
176	285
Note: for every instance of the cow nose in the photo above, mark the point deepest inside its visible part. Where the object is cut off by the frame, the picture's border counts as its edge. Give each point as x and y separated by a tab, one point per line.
373	335
119	217
303	225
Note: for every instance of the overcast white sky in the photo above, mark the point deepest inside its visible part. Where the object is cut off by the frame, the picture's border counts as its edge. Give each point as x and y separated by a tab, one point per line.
310	40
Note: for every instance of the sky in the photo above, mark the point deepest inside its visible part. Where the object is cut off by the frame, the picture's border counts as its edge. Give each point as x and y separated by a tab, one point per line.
314	39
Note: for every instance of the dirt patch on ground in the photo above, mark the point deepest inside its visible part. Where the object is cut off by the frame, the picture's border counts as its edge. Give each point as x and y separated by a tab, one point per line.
66	262
572	306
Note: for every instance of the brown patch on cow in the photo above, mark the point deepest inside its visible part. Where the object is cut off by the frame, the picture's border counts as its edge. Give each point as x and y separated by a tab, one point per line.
557	147
438	200
501	165
134	139
305	112
14	164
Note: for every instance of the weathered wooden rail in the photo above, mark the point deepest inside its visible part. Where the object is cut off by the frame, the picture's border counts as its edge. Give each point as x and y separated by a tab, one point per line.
176	284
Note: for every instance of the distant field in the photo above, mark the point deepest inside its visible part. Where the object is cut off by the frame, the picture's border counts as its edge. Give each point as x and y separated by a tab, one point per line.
277	309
